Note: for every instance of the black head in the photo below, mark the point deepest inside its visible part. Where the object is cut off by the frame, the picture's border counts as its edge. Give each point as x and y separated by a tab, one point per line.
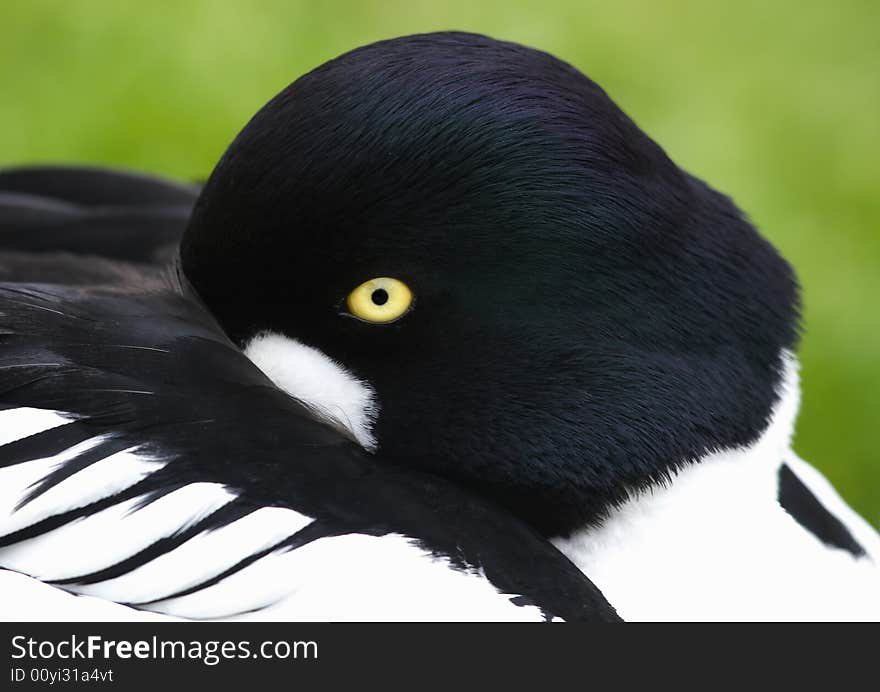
587	316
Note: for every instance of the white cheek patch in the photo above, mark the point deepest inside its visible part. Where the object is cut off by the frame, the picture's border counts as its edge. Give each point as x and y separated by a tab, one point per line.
319	382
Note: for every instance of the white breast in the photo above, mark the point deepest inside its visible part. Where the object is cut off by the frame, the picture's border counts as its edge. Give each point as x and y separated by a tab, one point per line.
716	544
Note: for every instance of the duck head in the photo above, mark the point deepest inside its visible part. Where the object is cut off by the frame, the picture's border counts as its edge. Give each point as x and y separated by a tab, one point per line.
513	286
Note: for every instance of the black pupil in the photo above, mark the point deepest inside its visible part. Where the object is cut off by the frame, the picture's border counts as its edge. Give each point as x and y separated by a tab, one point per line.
380	296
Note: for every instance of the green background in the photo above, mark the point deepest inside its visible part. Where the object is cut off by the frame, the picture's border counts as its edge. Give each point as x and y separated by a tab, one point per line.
776	103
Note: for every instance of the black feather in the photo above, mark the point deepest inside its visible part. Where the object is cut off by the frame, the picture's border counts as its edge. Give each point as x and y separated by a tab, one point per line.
51	217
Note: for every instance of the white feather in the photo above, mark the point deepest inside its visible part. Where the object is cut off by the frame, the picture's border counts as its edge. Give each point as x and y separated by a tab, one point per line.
201	557
113	534
17	480
25	599
352	577
18	423
101	479
324	385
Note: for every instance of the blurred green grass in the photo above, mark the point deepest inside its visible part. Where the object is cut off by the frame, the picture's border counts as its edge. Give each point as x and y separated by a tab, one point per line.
777	104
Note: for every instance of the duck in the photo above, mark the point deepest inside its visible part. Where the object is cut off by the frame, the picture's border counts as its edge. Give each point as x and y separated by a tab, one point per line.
118	503
458	259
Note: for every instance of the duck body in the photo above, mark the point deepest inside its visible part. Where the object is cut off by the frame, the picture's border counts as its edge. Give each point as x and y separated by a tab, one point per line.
594	349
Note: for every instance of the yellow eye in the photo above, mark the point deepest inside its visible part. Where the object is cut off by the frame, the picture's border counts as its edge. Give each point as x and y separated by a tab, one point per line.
380	300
